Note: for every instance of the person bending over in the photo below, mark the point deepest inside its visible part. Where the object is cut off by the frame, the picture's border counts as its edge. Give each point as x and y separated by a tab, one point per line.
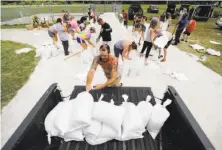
109	65
123	48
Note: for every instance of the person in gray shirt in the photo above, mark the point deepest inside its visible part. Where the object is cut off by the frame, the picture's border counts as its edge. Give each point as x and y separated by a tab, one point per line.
63	35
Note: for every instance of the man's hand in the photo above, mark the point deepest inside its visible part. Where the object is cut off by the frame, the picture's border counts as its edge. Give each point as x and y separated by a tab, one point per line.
88	87
99	86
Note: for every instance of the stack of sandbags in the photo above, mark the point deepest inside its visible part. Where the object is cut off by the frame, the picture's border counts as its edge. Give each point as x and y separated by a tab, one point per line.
99	122
68	118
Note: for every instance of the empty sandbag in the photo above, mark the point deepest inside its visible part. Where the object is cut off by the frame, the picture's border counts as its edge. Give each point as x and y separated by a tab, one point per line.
145	109
158	117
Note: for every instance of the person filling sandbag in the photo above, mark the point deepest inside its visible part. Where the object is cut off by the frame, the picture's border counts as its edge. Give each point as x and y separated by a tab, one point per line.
82	37
63	35
53	33
123	48
109	65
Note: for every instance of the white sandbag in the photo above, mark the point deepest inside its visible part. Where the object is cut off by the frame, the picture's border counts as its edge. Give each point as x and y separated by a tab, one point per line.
81	113
197	46
92	140
158	118
76	135
132	122
213	52
23	50
62	120
145	109
49	122
94	128
109	114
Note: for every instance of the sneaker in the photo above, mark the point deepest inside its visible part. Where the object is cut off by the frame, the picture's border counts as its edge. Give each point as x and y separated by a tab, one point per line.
186	41
182	39
174	44
163	60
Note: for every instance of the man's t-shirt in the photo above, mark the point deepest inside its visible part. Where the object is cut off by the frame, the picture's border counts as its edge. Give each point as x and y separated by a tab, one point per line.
106	32
182	24
108	67
191	26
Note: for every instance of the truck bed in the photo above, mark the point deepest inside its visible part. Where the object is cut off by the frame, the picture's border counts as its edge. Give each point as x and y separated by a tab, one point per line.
135	95
180	132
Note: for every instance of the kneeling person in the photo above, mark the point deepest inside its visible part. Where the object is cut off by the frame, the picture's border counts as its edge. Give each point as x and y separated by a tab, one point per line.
109	65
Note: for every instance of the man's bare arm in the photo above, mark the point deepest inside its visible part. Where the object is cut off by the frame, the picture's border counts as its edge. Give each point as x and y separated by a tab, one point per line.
92	71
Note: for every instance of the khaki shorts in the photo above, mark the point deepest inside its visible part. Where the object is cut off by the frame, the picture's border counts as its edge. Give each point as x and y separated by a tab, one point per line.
116	83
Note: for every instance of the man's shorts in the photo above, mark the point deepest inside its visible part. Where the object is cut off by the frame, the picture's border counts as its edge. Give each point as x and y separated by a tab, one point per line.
117	51
80	41
186	32
168	43
51	34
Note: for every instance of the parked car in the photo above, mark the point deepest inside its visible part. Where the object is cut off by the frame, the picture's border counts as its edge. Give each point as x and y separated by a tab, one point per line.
203	12
219	23
153	9
171	8
134	9
180	132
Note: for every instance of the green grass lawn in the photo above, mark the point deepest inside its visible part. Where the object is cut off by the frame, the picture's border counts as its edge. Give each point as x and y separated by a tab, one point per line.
204	32
16	26
16	69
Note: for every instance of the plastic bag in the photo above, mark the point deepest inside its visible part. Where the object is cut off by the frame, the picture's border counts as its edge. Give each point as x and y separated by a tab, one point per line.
145	109
158	117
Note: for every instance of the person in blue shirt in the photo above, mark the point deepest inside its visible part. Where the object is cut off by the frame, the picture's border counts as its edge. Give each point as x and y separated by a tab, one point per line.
180	27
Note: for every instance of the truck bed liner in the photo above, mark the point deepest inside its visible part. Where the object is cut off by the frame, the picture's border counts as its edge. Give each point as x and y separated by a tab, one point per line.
135	95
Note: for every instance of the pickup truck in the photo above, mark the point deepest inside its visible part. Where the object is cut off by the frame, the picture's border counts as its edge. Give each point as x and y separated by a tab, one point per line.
180	132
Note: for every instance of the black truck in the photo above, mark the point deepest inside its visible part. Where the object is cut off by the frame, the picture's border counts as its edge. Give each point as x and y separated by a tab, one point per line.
180	132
